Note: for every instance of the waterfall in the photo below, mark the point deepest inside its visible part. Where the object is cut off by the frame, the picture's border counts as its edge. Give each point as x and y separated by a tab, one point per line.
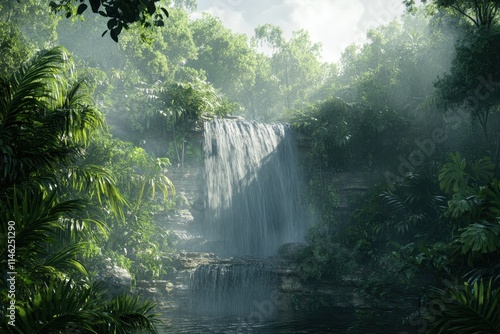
253	187
236	289
252	207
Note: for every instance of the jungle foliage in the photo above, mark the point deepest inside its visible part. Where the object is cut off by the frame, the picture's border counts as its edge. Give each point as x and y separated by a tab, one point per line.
48	188
436	219
86	142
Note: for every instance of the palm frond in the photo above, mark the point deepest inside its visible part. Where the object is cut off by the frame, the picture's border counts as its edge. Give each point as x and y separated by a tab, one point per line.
62	260
76	229
490	272
36	216
129	314
395	204
43	118
82	117
99	182
55	307
64	305
28	85
470	309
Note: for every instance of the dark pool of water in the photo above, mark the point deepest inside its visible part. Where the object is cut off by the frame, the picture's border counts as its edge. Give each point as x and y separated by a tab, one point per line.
321	322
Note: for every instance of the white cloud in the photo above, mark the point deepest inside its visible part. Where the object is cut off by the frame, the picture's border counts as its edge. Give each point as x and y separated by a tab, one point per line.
334	23
231	18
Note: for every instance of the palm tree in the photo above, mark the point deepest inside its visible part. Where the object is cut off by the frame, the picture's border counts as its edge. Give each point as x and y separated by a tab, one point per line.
47	299
46	123
64	306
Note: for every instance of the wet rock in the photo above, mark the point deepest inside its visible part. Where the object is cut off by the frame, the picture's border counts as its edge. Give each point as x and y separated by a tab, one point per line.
117	280
191	260
292	251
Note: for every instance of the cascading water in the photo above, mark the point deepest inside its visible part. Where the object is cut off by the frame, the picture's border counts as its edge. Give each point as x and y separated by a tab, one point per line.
253	207
233	289
253	187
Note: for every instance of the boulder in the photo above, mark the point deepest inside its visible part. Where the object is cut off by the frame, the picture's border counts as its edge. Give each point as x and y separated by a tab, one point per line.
292	251
117	280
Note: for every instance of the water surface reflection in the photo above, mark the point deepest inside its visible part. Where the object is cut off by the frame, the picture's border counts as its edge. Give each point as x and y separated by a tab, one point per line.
332	321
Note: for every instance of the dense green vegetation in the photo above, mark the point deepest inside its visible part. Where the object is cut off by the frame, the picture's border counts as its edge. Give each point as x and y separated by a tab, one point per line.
88	129
415	109
49	185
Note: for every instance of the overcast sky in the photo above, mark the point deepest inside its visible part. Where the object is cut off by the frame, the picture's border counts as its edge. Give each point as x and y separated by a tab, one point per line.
334	23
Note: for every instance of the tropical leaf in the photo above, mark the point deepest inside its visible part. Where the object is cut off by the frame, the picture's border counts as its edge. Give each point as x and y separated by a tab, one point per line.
492	197
483	237
64	305
36	216
36	85
125	314
453	176
468	310
413	202
44	120
482	170
46	123
479	273
63	260
394	203
56	307
97	181
76	229
464	206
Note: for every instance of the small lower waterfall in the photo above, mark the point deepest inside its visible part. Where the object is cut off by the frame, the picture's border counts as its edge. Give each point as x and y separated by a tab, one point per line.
235	289
253	187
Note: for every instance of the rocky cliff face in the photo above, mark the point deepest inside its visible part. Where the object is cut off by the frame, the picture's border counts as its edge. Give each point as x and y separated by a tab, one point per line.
350	187
186	222
292	293
194	249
